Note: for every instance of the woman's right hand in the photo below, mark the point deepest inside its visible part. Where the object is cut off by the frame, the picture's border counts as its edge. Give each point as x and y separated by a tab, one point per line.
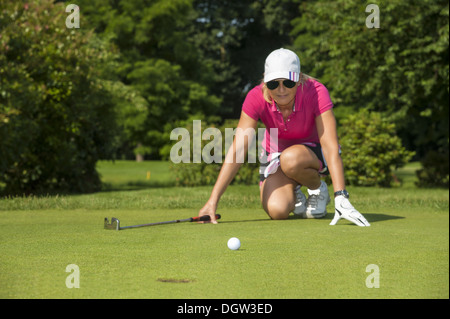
209	209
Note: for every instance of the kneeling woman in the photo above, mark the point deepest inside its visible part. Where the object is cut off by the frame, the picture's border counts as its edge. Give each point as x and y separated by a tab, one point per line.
300	109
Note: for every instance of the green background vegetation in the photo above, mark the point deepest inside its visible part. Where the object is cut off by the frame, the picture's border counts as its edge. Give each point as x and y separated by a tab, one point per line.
117	86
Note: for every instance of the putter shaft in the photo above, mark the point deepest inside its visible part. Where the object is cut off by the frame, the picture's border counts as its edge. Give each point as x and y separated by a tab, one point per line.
158	223
115	223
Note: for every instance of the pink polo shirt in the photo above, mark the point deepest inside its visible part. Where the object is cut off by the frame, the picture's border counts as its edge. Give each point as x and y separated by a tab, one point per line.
300	126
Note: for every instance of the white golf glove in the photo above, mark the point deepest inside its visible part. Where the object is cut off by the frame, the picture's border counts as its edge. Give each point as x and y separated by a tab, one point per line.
274	160
343	209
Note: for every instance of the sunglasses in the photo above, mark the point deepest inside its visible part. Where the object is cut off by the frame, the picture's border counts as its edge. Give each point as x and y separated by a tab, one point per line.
272	85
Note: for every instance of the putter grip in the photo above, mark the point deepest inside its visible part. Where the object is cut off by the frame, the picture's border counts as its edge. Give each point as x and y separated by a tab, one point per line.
204	218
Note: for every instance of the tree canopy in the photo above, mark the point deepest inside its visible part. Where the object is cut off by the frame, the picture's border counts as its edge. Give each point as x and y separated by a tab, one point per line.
116	86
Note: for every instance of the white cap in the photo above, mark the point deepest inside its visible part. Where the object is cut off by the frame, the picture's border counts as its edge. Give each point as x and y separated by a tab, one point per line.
282	64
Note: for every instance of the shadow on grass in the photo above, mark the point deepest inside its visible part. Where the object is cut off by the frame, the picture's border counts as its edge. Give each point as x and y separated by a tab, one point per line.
244	221
372	218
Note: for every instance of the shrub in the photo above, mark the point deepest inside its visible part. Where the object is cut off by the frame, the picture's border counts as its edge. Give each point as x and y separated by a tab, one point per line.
56	117
197	174
434	172
371	150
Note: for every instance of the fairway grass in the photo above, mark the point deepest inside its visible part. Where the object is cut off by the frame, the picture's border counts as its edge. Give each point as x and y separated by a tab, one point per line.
40	236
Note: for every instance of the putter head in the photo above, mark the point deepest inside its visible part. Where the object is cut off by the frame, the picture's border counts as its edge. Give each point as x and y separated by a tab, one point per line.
114	225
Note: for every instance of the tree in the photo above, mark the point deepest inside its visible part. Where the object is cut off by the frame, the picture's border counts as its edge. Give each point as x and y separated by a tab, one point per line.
56	116
234	38
400	69
189	57
158	61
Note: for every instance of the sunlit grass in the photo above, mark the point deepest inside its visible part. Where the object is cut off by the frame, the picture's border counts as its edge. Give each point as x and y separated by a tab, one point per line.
39	236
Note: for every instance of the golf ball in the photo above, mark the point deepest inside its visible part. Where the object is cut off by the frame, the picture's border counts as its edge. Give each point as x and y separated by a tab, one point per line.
234	243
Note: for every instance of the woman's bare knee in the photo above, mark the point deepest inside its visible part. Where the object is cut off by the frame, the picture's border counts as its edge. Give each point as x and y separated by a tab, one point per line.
277	210
294	158
277	195
300	164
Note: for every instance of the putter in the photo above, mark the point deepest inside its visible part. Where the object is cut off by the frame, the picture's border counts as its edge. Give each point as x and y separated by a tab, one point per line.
115	223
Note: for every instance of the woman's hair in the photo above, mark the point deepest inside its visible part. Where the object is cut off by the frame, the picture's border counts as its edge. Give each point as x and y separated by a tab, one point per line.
303	79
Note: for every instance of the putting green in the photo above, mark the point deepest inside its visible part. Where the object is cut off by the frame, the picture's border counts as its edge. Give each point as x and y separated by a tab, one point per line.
405	252
278	259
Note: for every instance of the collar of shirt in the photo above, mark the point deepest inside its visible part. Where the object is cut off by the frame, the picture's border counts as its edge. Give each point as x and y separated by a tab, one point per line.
275	108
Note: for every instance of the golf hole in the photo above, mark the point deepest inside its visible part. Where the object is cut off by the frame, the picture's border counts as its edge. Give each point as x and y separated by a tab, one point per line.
173	280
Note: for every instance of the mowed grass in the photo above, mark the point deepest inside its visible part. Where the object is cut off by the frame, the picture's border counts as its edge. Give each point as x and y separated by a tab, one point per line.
295	258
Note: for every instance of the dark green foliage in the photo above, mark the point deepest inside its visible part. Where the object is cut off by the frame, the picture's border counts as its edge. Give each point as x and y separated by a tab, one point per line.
136	69
158	62
400	69
56	118
197	174
371	150
434	170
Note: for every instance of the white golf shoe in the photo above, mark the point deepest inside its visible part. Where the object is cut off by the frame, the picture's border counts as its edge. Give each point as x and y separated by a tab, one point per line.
316	205
300	202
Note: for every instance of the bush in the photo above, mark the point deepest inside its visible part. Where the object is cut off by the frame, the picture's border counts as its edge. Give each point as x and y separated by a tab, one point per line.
198	174
56	117
371	150
434	172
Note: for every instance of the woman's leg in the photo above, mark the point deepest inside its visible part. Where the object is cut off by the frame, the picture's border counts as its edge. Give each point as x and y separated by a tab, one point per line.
277	195
299	163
